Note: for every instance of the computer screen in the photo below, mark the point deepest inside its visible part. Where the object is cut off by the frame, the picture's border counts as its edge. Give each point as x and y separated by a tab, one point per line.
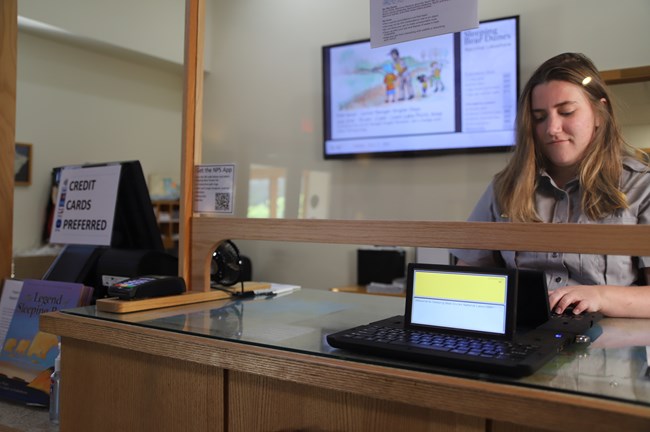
467	301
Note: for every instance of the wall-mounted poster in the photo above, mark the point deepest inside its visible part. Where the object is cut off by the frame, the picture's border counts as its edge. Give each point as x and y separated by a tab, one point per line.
23	165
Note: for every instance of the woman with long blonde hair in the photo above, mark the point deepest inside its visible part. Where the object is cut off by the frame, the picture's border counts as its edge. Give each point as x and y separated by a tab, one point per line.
571	165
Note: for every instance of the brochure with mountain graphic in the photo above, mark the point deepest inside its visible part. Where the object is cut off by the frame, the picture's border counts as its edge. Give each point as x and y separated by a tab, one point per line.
27	355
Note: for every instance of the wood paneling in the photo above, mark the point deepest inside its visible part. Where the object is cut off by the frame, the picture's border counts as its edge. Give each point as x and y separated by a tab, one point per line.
258	403
112	389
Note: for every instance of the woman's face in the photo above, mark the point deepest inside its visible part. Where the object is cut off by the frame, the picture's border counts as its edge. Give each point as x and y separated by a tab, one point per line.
564	122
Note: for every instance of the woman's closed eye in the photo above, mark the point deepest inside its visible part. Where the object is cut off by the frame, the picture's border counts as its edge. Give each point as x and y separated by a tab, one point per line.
539	117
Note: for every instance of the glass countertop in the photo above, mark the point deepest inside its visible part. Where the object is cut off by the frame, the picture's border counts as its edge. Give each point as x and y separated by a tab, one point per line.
614	365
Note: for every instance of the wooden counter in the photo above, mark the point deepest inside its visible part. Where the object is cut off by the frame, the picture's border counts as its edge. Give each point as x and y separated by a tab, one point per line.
128	377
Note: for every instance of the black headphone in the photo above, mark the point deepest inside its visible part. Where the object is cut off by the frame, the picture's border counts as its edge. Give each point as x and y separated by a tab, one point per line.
226	265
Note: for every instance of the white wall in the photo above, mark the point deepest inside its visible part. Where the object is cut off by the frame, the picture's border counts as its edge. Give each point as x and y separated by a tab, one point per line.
149	27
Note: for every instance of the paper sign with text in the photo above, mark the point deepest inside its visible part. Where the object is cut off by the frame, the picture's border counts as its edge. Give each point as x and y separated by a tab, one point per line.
213	188
396	21
85	205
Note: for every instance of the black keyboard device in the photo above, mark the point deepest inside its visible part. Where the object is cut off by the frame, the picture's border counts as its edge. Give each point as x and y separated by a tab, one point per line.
470	346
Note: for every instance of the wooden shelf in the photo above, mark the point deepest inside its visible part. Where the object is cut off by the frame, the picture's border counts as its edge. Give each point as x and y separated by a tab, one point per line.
167	215
627	75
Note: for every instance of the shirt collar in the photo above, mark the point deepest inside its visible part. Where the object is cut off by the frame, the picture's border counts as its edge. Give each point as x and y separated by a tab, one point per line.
633	164
544	180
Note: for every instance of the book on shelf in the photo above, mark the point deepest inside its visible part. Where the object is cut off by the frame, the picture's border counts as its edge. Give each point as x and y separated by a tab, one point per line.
27	354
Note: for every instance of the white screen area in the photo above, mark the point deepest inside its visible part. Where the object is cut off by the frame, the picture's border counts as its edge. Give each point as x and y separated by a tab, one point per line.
463	301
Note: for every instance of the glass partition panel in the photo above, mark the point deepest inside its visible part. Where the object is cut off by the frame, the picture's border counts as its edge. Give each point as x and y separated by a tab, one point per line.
96	85
264	106
350	267
326	266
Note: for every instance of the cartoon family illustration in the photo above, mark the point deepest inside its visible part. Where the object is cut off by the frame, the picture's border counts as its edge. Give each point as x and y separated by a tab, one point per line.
398	82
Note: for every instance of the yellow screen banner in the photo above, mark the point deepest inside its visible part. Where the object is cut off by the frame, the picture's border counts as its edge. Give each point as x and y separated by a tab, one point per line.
462	287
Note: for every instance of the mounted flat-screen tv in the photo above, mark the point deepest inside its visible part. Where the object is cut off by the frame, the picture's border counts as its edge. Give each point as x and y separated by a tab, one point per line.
446	94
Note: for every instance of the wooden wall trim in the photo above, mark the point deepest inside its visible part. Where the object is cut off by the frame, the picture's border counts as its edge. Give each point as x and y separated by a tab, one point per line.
627	75
8	64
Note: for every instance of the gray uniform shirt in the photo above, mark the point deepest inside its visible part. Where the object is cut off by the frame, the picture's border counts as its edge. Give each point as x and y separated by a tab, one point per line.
563	206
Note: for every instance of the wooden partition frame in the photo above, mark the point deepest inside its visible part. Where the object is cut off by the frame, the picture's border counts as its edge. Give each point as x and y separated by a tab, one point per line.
200	235
191	125
577	238
8	65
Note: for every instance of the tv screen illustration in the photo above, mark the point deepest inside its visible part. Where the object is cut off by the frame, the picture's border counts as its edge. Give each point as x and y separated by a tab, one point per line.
445	94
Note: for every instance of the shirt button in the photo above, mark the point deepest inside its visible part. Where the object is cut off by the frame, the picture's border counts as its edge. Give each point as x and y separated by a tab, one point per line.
558	279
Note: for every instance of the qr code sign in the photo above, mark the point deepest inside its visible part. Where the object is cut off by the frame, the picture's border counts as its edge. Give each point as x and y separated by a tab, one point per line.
222	201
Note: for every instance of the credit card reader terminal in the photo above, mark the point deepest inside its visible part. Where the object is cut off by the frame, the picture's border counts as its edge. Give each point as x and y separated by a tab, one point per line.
147	286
